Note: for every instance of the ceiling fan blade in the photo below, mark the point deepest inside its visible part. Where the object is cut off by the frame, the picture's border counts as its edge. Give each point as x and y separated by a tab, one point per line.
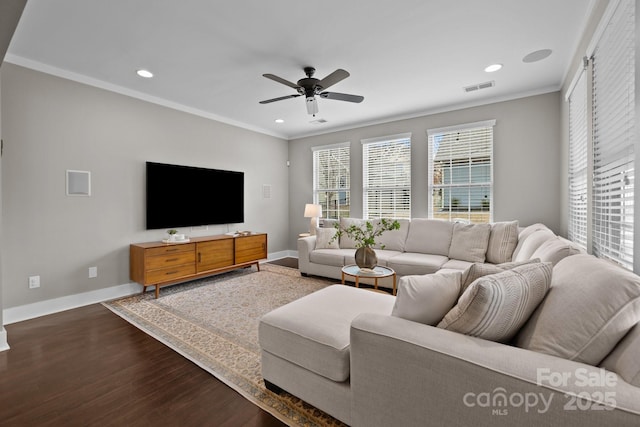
268	101
342	96
333	78
281	80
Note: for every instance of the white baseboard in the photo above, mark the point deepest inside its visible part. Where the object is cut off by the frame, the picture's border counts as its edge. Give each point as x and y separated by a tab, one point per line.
4	344
282	254
56	305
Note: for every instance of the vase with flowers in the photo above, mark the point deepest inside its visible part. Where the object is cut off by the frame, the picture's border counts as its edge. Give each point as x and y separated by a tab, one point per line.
365	236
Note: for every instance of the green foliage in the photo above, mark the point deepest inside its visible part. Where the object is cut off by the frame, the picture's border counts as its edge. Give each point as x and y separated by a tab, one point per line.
365	236
172	232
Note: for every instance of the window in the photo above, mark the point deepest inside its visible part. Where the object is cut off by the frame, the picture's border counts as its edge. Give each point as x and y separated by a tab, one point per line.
386	176
578	150
331	180
461	172
613	137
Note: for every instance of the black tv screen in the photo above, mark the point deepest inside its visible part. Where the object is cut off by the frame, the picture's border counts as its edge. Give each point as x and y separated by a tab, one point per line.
182	196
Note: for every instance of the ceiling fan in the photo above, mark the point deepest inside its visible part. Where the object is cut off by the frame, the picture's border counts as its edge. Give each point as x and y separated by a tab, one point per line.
310	87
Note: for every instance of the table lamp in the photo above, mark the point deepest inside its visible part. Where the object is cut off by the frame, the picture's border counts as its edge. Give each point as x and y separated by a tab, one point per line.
314	212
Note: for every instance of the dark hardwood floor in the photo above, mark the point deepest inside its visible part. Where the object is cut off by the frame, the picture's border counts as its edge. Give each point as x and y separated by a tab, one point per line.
88	367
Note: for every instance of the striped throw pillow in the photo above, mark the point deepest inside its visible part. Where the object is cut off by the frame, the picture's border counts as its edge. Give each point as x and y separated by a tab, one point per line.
495	307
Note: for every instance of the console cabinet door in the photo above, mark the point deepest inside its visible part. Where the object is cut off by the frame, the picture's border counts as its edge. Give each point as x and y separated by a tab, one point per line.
214	254
251	248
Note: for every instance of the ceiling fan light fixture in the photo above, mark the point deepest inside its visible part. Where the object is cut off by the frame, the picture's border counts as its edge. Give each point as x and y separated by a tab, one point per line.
312	105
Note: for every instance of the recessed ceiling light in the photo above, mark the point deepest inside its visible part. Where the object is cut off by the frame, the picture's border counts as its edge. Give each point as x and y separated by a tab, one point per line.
536	56
144	73
493	67
279	120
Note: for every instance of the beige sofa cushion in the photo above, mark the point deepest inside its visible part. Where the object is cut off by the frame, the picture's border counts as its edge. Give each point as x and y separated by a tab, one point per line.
591	305
393	240
624	360
526	232
410	263
429	236
347	242
502	241
325	238
495	307
313	331
478	270
426	298
553	250
469	242
527	247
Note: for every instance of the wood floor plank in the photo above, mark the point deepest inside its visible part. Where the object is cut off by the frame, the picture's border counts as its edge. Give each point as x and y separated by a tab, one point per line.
89	367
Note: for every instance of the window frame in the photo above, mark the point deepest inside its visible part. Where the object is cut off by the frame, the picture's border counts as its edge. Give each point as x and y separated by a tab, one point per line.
338	211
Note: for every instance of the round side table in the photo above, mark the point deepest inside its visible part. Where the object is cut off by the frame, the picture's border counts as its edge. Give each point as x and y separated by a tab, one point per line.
378	272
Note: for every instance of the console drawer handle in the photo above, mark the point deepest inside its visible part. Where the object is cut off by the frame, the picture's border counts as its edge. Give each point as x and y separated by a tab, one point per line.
168	273
171	260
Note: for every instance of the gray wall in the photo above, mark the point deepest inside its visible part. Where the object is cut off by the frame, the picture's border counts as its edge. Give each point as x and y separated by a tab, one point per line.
52	124
526	156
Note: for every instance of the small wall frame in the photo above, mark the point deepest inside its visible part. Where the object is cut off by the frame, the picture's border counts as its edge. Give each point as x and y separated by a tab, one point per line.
78	183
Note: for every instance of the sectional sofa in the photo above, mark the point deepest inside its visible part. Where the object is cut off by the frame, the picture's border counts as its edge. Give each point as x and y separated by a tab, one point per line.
548	336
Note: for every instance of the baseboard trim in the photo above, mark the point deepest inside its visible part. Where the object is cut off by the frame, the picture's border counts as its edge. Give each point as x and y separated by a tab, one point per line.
42	308
56	305
4	344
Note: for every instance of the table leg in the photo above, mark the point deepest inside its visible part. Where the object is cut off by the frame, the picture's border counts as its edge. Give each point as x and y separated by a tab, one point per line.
394	283
357	282
375	283
343	277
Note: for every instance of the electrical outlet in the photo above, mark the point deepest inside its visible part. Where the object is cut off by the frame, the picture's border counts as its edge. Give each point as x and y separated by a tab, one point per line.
93	272
34	282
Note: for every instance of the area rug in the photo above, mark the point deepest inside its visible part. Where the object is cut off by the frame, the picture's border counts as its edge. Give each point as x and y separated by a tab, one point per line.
214	323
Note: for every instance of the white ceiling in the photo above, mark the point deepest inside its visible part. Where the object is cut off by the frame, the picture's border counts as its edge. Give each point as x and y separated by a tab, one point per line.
406	57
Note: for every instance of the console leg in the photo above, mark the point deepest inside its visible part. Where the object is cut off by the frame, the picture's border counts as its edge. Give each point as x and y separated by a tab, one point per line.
304	274
272	387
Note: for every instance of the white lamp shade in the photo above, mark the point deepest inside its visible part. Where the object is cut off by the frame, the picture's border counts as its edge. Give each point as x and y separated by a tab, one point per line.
312	211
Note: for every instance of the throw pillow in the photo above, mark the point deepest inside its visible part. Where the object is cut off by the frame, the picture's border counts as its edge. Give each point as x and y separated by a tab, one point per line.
591	305
426	298
502	241
324	238
528	246
478	270
469	242
495	307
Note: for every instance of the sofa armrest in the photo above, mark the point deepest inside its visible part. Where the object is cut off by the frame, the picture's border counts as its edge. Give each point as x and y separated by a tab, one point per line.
409	374
305	246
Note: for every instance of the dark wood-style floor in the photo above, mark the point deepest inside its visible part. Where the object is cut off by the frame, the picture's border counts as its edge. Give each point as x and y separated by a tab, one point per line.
88	367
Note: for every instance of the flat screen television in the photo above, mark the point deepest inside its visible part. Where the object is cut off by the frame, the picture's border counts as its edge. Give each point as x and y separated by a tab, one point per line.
182	196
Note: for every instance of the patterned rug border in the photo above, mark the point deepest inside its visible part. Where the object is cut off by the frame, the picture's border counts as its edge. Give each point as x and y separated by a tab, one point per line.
287	409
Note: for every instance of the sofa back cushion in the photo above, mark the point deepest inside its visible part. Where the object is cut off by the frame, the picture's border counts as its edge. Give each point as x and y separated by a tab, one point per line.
555	249
393	240
347	242
429	236
469	242
624	360
591	305
495	307
502	241
530	243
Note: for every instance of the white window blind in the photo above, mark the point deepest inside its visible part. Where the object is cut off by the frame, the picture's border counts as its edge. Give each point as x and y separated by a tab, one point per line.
613	138
578	162
332	180
386	175
461	172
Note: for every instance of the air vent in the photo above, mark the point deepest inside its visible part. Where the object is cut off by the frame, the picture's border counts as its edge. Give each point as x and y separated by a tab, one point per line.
318	121
479	86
